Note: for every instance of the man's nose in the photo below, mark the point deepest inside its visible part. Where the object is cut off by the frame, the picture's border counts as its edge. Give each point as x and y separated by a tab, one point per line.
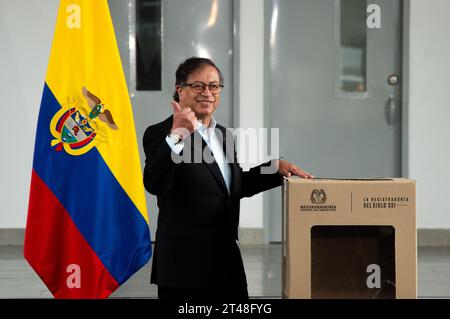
206	91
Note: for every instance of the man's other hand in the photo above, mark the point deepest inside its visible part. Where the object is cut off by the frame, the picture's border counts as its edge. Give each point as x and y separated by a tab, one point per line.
288	169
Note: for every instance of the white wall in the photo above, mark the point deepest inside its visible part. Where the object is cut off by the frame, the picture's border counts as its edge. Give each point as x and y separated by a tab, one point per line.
429	110
26	31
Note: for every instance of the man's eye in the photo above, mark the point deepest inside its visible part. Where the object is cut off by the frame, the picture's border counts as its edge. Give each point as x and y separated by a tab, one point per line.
214	86
197	86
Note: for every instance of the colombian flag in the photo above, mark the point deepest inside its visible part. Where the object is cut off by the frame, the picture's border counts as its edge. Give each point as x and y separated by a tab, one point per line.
87	228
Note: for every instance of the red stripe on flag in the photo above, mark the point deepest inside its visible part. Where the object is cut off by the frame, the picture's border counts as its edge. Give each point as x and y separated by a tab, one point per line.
53	243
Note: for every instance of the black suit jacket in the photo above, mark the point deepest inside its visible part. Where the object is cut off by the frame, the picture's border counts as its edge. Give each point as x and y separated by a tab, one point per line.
195	245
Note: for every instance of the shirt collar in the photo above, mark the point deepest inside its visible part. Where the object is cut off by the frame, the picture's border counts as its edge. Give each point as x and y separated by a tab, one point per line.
202	127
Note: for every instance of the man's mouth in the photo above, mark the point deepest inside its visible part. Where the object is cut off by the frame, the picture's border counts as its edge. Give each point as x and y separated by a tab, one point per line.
205	102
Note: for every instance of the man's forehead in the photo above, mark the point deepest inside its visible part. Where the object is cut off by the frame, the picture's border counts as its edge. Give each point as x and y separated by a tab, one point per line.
207	71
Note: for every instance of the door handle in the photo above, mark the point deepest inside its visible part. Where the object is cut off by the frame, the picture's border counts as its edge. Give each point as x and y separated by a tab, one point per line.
391	111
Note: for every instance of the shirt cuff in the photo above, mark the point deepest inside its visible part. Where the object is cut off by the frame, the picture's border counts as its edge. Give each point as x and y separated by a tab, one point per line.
175	148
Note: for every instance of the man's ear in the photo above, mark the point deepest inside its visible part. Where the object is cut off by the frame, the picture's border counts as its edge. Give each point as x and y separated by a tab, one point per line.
179	90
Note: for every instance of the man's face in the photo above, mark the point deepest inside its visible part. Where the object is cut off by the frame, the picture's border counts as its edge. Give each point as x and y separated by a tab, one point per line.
202	104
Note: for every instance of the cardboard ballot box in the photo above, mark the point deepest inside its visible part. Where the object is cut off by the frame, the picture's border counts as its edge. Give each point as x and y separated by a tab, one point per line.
349	238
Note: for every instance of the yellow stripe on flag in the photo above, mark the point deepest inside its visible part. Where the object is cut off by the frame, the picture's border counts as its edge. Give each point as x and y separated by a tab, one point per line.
85	54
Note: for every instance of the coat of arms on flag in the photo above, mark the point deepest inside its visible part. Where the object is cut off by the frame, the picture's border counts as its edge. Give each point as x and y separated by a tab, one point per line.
75	128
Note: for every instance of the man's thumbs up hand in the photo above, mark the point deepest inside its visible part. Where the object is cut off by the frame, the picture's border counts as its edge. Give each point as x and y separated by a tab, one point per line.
176	107
183	120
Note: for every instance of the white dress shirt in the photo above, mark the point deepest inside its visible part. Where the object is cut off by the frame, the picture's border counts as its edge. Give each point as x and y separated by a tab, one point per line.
210	137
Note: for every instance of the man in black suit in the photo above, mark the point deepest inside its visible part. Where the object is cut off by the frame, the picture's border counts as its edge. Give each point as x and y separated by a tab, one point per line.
191	167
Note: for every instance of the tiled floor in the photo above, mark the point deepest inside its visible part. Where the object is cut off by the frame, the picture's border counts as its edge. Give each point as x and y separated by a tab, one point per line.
262	264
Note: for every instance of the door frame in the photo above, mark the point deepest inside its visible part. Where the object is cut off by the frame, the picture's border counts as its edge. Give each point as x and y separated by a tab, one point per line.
406	32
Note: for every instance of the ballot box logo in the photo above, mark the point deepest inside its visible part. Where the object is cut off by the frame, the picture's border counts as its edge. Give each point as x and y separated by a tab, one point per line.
318	196
77	128
318	202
